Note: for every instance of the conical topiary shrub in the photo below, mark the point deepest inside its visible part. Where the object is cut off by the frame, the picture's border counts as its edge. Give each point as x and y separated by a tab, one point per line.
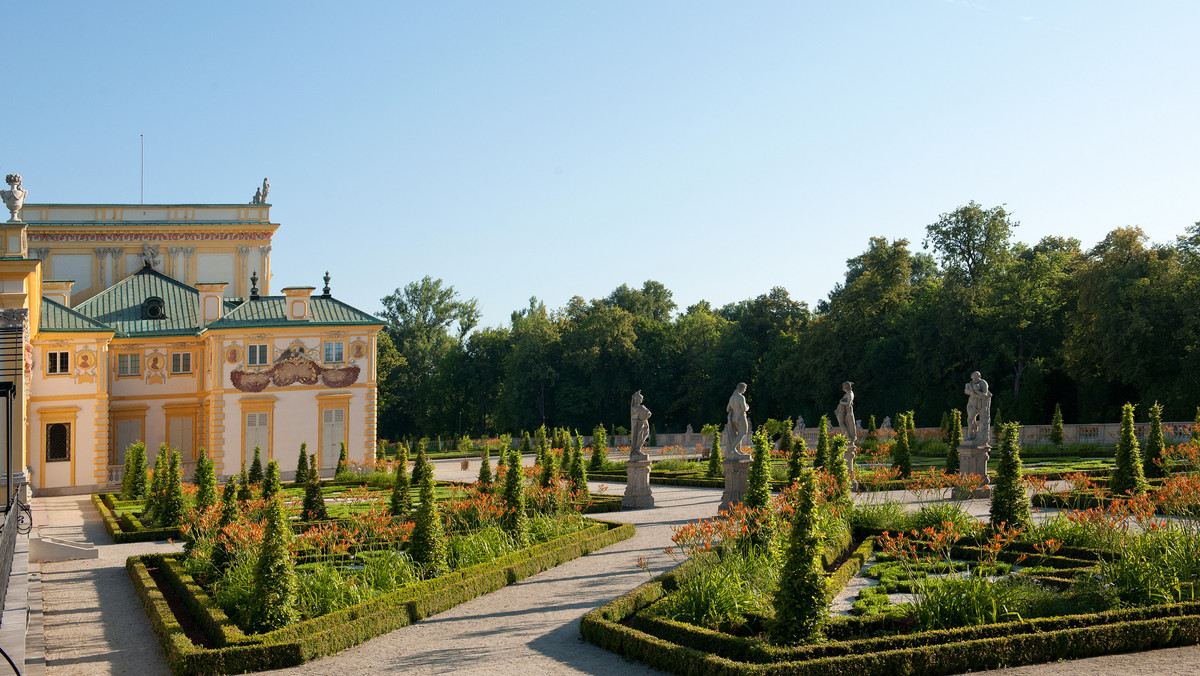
302	466
427	544
1010	502
401	503
1127	476
516	521
801	607
1155	462
901	453
274	596
256	467
956	439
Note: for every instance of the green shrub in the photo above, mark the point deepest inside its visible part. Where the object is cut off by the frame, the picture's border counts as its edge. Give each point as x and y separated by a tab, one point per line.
901	455
313	508
758	484
220	556
516	521
795	462
274	598
271	485
342	471
932	448
133	481
800	602
1056	426
839	471
935	514
1128	477
419	466
1010	502
244	493
888	515
427	545
206	483
302	466
714	469
1154	462
173	508
726	591
821	459
256	467
485	469
547	463
401	501
578	471
955	440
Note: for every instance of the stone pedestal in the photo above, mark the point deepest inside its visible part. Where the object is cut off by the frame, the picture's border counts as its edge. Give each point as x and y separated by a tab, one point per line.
972	459
737	472
851	451
637	485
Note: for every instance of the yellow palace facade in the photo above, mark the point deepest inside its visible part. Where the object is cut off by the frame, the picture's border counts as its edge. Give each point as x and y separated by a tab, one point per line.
121	323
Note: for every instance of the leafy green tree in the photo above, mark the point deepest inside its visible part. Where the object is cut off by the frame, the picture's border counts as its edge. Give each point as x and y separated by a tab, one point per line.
1155	461
1056	426
274	598
599	448
133	481
801	608
256	467
302	466
714	469
206	483
1128	477
531	367
427	545
901	452
821	459
271	485
313	508
1010	502
956	439
516	521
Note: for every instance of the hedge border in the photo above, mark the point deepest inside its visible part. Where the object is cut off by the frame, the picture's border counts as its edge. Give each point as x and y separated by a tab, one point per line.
675	647
328	634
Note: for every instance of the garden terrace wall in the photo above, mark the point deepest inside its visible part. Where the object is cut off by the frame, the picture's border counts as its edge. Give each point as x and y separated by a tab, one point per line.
233	651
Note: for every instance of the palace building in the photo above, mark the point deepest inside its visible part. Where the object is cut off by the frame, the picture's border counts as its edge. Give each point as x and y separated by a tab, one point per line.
121	323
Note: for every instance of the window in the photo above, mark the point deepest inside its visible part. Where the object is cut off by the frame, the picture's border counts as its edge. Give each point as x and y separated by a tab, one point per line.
181	362
333	435
256	355
180	431
58	442
258	434
129	365
334	352
58	362
129	432
153	308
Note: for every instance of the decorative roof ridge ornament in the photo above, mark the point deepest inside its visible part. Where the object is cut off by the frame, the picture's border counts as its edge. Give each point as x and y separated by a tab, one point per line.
254	285
14	197
325	291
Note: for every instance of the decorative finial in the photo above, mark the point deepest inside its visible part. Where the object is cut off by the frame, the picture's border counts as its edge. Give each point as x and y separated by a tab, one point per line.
254	285
325	291
14	197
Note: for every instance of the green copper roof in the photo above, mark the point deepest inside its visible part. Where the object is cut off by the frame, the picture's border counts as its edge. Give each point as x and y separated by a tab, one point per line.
120	306
60	318
272	311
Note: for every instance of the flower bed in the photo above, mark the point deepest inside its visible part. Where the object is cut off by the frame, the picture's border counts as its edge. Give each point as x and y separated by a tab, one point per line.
220	647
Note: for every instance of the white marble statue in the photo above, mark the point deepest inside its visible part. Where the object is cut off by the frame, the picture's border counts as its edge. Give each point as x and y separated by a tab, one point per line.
887	423
639	426
845	413
979	409
799	426
150	255
737	423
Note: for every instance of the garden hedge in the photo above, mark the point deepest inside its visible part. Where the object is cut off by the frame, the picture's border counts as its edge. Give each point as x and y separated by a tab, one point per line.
127	527
225	649
854	645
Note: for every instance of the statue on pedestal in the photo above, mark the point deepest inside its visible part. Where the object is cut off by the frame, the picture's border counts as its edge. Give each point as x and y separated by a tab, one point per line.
737	425
887	423
639	426
979	409
799	426
14	197
845	413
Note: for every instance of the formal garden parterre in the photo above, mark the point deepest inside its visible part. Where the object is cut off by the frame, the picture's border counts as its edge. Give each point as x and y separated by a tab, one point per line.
925	592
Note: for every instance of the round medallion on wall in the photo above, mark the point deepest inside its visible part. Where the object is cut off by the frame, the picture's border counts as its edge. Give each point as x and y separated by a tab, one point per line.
84	360
358	350
155	362
233	354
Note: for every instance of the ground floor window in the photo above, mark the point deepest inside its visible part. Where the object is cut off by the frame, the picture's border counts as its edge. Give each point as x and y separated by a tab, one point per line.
58	442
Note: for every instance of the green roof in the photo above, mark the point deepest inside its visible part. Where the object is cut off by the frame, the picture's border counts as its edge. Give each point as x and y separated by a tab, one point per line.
120	305
57	317
272	311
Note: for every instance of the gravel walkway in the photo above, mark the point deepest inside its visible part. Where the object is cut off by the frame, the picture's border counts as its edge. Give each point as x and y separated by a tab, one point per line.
94	623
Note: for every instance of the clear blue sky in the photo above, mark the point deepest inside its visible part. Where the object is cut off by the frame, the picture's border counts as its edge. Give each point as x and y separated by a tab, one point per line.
563	148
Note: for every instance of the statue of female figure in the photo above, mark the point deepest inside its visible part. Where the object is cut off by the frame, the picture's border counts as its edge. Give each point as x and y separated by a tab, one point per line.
979	408
737	425
639	425
845	413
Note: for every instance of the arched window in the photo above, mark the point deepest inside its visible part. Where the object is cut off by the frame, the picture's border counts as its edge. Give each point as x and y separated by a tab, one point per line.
153	308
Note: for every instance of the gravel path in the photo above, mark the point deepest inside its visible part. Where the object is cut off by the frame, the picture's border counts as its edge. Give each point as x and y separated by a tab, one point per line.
94	623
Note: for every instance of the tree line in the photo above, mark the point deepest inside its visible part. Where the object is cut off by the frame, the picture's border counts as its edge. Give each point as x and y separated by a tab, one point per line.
1047	324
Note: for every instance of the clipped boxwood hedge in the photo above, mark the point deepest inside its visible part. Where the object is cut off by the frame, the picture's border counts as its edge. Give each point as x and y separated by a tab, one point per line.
127	527
854	646
233	651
